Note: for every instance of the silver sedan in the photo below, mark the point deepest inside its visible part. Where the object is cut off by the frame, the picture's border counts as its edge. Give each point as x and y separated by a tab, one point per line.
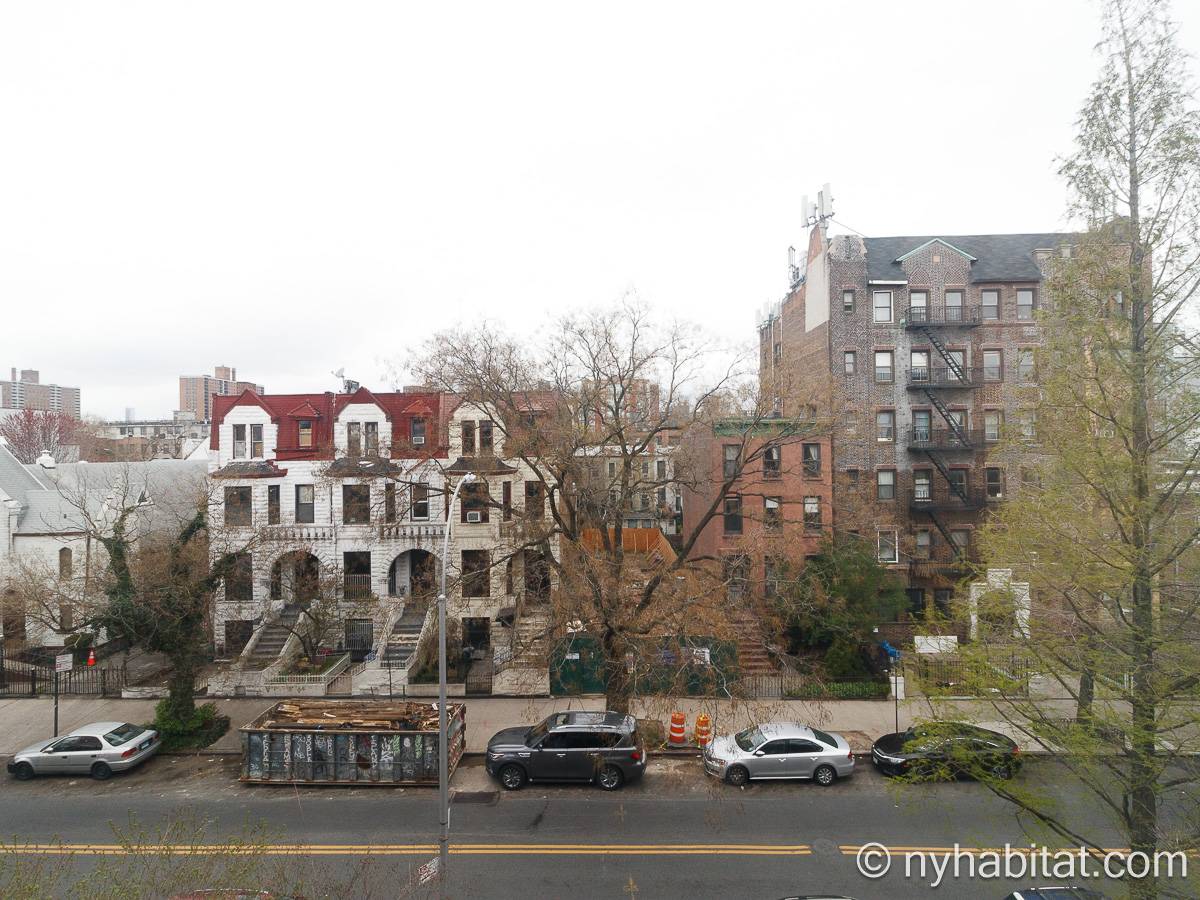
98	750
779	750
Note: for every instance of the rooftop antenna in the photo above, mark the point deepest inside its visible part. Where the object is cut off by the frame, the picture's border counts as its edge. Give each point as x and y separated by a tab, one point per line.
804	210
349	385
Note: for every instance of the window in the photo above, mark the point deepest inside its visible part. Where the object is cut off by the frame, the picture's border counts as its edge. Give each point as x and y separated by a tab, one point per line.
918	365
272	504
535	504
239	441
773	461
468	438
954	306
353	438
485	436
990	302
660	469
733	515
852	477
958	480
729	464
256	441
993	420
885	484
848	301
65	563
1025	365
389	502
957	363
993	365
239	583
1027	422
356	504
887	547
778	351
922	426
1025	304
918	306
305	431
882	305
420	501
772	513
916	601
995	483
238	509
474	498
961	539
922	547
771	572
884	371
736	570
849	361
812	513
506	501
885	426
662	499
811	460
305	504
922	485
942	600
476	573
371	438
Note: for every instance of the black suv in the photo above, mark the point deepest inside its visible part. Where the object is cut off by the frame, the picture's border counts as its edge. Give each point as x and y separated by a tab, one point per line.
602	747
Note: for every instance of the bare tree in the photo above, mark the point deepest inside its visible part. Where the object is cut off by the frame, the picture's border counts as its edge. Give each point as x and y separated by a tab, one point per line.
31	432
587	412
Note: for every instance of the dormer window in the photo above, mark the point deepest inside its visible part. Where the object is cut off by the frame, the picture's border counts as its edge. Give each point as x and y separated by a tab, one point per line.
256	442
305	434
417	432
468	438
371	437
239	441
354	438
485	436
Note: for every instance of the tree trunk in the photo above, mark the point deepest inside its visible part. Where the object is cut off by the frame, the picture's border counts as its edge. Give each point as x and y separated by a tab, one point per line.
1087	685
181	689
618	680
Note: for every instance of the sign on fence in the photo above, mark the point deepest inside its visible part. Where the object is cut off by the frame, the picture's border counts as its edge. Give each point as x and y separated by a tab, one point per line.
64	662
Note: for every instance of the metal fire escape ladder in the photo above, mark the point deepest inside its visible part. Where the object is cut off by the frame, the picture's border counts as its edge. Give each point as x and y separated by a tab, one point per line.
951	363
944	531
940	464
936	402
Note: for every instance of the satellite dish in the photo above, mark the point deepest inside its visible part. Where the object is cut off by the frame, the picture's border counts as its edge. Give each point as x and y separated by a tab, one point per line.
340	373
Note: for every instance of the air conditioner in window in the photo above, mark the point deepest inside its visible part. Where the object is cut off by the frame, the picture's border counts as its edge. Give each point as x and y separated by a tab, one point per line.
418	440
474	518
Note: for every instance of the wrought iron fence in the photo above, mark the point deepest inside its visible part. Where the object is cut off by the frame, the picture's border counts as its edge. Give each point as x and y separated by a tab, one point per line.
20	679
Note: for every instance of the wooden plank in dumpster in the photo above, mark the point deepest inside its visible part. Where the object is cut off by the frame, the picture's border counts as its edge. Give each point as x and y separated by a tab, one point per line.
349	742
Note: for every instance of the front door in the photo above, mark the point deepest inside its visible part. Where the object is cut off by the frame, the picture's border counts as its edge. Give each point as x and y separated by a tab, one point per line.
774	761
551	760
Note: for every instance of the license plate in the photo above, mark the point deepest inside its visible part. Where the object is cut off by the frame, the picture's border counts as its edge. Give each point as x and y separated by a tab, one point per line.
145	744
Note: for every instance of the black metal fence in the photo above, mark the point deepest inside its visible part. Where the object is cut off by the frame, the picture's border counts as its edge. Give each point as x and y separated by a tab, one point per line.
21	679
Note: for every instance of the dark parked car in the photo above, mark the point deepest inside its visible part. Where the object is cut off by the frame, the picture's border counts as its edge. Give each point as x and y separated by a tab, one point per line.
600	747
1056	893
946	748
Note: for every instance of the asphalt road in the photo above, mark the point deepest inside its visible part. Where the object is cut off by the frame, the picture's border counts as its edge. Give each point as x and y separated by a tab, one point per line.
675	834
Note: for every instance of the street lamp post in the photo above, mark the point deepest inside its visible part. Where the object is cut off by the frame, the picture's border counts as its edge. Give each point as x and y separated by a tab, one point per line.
443	749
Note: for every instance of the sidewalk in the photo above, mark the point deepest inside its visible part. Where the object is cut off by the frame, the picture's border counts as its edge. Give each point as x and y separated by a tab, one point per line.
26	721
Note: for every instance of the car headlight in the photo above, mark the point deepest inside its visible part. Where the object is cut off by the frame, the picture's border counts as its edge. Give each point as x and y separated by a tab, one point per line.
890	759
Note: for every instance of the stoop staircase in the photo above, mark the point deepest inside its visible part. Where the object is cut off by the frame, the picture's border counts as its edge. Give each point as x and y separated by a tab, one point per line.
402	642
273	637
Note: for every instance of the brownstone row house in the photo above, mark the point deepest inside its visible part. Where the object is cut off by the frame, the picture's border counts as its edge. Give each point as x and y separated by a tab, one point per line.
919	350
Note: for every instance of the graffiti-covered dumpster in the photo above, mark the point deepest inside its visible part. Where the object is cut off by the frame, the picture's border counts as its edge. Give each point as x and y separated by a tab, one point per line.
360	742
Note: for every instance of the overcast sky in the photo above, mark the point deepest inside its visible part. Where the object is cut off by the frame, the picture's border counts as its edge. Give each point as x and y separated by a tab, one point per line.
293	187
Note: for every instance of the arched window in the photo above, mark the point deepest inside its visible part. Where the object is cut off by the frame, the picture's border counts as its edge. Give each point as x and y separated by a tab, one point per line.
64	562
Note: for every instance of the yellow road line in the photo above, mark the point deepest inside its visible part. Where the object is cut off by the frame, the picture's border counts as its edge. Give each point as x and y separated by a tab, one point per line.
417	849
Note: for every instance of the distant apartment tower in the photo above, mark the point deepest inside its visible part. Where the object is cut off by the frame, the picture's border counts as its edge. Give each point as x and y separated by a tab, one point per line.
27	392
196	391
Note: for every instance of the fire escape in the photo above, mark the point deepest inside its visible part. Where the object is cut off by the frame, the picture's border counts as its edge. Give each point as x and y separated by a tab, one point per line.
940	439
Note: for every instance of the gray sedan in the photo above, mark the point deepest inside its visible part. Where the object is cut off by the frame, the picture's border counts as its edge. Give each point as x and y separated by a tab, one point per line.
779	750
98	750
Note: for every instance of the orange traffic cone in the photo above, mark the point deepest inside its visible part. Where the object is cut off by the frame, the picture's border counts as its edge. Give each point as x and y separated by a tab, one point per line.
703	730
91	657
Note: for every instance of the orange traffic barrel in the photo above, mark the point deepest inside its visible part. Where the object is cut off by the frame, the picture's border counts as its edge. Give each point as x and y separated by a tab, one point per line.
703	730
676	736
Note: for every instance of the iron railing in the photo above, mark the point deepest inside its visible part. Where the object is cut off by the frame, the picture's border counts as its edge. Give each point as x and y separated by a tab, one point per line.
920	316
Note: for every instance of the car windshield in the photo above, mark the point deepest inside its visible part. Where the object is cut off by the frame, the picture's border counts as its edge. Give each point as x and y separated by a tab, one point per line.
826	739
750	739
123	733
536	732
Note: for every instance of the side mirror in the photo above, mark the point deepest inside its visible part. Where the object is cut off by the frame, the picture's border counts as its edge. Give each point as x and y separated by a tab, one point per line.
759	753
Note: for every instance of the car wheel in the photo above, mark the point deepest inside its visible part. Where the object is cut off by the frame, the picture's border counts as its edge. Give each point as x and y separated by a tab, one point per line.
512	777
101	771
737	776
610	778
825	776
23	772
